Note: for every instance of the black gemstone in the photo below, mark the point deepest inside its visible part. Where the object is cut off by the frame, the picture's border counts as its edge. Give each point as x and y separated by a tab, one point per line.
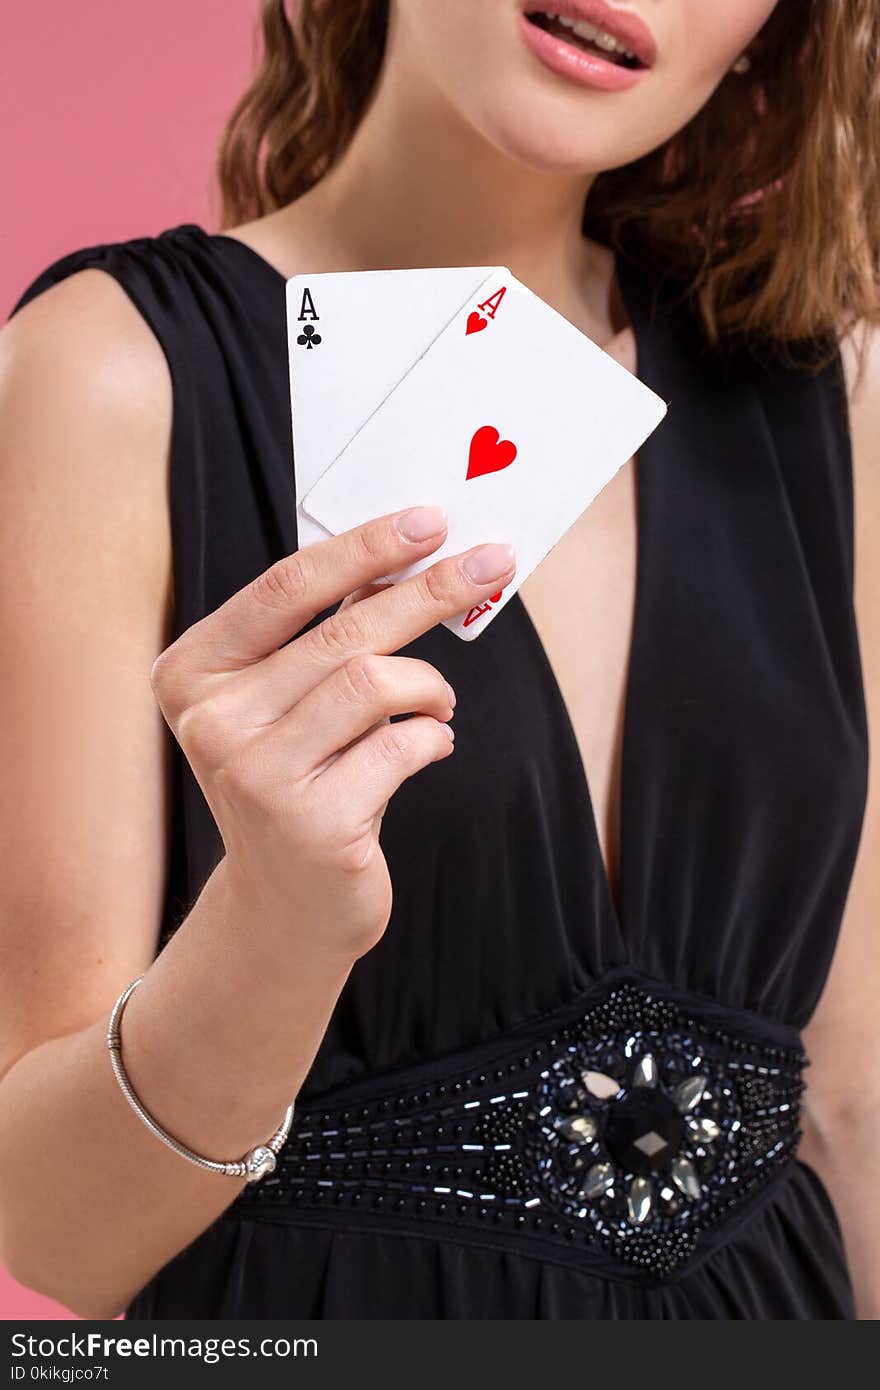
644	1130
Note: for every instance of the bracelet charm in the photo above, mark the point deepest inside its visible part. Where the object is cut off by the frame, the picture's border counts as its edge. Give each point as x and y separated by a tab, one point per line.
260	1161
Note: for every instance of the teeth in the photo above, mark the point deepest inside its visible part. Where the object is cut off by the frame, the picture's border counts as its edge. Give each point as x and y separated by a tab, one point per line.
591	34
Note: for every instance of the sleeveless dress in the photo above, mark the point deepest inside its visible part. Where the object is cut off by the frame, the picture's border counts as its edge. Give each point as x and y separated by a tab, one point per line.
529	1104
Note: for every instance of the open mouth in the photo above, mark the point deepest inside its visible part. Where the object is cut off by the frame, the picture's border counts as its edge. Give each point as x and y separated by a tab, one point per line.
589	38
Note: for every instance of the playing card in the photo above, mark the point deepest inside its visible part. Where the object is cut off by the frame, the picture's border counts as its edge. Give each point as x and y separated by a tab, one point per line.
352	336
513	420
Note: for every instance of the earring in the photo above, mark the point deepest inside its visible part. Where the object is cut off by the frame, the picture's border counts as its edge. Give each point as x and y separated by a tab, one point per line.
742	64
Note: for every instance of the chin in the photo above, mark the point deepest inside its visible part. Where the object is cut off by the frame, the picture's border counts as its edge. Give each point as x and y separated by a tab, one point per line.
550	150
555	136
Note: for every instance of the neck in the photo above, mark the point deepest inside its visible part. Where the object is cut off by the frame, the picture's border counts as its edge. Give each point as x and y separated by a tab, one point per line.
418	186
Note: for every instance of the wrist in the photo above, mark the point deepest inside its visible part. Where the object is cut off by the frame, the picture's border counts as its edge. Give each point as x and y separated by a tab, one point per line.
253	1165
282	933
219	1037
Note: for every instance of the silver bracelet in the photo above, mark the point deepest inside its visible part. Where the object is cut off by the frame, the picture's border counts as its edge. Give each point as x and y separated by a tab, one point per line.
254	1165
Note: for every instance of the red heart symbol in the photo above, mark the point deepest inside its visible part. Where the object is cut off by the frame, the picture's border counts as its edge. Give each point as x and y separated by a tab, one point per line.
489	453
475	324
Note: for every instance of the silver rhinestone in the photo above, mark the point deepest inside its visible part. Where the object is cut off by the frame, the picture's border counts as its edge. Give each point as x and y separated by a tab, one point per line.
638	1201
598	1180
645	1073
689	1094
599	1085
703	1129
684	1175
581	1128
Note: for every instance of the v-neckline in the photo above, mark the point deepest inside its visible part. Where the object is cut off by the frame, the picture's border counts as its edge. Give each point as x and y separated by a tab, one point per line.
615	907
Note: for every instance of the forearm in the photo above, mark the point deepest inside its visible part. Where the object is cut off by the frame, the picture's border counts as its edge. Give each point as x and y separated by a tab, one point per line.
844	1149
216	1041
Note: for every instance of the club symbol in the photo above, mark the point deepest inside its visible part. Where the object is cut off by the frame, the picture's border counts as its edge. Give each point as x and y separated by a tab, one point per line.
309	338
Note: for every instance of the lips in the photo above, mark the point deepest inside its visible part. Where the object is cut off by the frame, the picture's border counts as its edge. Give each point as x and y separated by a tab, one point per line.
593	27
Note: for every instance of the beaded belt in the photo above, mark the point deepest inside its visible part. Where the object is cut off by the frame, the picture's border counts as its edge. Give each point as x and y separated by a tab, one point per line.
626	1135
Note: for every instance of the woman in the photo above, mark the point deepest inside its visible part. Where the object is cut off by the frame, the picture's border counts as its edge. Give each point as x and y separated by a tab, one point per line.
561	1074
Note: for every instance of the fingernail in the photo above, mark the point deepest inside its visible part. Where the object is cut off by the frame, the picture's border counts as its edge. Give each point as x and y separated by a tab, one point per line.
419	523
488	562
451	732
451	693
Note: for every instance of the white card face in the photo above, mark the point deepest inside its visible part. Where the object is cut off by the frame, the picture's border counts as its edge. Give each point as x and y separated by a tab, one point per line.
352	336
514	426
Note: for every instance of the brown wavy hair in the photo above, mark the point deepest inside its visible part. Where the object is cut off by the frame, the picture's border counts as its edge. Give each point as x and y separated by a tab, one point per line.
775	233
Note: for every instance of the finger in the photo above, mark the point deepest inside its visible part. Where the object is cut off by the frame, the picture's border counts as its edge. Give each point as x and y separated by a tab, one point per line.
266	613
391	619
344	749
364	591
350	702
370	772
381	622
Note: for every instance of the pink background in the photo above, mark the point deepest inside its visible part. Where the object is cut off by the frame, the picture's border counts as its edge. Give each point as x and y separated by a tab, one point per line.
109	117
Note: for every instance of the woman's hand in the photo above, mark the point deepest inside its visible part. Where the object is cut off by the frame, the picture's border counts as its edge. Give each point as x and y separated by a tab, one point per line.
291	744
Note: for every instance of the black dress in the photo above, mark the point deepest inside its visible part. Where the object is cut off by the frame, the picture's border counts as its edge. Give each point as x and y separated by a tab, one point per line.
529	1104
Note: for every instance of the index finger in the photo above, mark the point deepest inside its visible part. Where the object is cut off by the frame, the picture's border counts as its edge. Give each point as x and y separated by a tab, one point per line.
386	621
278	604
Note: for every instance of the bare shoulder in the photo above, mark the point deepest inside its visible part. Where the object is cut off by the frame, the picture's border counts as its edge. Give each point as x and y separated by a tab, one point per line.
86	334
863	389
86	400
861	349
